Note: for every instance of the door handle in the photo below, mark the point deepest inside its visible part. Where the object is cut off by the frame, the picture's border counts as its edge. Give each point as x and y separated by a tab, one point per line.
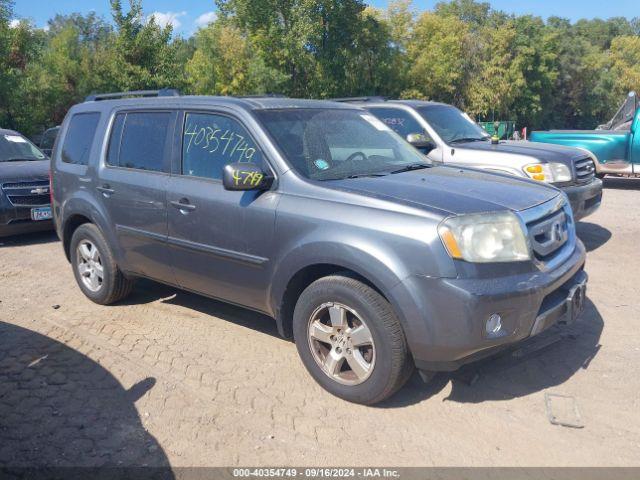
183	205
106	190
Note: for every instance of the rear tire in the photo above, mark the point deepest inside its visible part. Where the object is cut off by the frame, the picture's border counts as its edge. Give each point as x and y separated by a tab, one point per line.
94	267
350	340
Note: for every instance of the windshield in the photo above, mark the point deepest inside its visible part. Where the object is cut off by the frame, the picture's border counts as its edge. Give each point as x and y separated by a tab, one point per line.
16	148
452	125
624	116
331	144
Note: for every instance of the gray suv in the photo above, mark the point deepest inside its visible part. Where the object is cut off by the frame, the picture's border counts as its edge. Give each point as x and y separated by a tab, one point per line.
320	216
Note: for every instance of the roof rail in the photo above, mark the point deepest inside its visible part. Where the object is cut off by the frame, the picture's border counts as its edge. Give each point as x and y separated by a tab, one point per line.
372	98
163	92
262	95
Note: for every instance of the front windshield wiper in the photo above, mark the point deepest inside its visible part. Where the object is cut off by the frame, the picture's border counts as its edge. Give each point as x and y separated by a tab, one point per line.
468	139
412	166
19	159
362	175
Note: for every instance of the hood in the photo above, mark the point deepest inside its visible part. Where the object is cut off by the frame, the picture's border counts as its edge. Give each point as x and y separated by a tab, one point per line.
24	171
452	190
544	152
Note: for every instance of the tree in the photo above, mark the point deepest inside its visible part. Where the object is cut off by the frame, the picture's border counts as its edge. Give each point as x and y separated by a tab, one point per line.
374	64
437	54
498	79
224	64
625	60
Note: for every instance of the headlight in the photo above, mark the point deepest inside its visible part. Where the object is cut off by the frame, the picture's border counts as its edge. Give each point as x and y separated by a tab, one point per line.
548	172
484	238
561	172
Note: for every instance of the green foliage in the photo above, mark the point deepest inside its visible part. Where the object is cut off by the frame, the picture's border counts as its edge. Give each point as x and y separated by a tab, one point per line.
225	64
494	65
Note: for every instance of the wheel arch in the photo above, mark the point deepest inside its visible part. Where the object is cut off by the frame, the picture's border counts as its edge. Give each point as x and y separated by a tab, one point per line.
298	272
80	210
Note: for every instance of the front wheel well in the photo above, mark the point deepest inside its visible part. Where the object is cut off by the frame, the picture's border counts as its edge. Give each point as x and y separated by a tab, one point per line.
71	226
300	281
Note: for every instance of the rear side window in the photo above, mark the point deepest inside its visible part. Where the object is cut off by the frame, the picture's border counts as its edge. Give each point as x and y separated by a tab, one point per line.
79	138
138	140
212	141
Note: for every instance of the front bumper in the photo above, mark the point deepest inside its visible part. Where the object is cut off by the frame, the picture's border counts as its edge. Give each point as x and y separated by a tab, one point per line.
584	199
17	220
445	318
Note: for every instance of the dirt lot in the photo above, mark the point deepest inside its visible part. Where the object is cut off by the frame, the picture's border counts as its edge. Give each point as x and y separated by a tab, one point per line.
173	378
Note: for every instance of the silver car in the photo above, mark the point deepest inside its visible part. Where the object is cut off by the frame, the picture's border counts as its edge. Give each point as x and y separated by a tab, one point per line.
448	135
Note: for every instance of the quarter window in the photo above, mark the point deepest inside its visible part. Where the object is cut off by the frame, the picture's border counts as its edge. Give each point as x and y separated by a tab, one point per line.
212	141
79	138
138	140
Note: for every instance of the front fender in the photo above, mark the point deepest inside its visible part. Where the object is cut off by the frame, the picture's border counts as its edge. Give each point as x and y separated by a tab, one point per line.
380	268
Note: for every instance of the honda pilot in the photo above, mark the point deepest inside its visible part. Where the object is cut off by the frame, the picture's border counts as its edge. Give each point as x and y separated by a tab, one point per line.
317	214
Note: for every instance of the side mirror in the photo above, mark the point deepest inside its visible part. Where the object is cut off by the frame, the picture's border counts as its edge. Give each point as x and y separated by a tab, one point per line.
421	142
245	176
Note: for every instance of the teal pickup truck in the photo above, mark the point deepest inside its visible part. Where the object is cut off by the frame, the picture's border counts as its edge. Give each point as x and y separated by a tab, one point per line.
615	145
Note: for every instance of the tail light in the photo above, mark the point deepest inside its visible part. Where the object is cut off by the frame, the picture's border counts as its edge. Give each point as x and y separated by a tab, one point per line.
50	188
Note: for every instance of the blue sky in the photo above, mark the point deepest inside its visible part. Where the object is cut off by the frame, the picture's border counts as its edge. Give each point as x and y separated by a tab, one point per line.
188	15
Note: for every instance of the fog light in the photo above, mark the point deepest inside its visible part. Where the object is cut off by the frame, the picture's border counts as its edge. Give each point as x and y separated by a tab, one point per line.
493	326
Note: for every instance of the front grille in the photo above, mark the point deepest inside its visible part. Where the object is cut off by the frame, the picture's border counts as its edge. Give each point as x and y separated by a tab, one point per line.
548	234
34	193
31	184
28	200
585	170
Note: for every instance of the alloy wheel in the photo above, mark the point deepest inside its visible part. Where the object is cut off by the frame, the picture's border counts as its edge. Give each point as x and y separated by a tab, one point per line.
89	265
341	343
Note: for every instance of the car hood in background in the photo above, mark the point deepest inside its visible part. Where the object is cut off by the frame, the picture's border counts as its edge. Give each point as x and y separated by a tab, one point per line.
20	171
452	190
544	152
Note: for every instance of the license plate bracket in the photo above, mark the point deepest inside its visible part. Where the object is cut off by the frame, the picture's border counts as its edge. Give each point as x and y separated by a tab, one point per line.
41	213
575	301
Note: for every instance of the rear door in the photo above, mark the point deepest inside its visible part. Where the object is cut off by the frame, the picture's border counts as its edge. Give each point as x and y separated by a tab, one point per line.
132	184
221	240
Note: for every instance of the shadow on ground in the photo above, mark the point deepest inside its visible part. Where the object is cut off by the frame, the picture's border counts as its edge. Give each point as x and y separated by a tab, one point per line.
25	239
147	291
621	183
592	235
59	408
546	361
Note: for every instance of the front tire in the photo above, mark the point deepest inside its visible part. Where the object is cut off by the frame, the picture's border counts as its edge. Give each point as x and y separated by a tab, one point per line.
94	267
350	340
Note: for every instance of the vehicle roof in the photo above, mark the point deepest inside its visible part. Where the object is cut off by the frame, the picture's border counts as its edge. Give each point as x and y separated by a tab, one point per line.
407	103
249	103
419	103
6	131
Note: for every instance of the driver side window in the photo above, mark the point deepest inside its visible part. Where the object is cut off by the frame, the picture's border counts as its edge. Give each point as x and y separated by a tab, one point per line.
210	141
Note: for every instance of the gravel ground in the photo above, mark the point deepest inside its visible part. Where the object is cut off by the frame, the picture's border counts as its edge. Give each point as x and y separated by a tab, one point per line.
170	378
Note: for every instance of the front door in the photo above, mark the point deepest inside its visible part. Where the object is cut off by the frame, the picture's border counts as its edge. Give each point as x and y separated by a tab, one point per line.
221	240
132	185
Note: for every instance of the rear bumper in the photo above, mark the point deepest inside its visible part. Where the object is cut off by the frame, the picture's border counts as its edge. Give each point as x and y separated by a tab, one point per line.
445	318
584	199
